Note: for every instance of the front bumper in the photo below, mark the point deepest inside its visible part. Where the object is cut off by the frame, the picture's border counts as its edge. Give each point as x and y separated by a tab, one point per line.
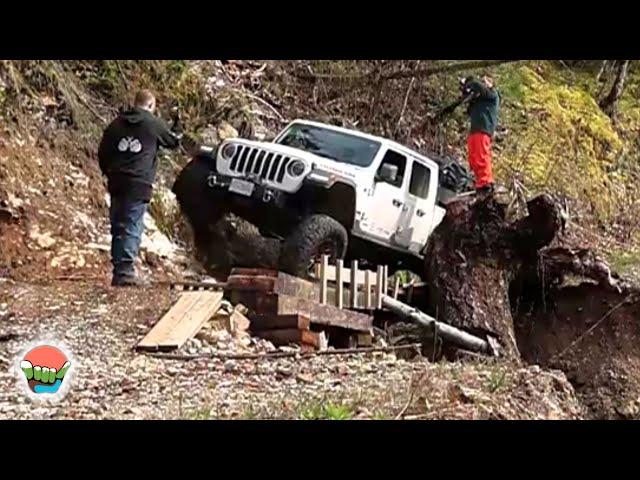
261	193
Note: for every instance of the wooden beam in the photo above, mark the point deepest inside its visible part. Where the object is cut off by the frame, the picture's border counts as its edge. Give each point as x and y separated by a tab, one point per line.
385	280
379	286
323	279
182	321
286	336
346	274
274	322
281	283
354	284
339	283
396	288
367	287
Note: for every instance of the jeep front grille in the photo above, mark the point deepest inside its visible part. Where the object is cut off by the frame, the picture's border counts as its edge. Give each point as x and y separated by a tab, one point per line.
266	165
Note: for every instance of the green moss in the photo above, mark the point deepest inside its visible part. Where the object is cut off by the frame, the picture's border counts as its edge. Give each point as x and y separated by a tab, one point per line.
561	141
625	262
327	411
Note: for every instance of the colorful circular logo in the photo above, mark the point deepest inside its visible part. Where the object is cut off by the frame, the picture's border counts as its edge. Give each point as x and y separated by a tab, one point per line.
45	368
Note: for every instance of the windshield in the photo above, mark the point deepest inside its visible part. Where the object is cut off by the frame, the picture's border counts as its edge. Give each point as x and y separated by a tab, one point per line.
338	146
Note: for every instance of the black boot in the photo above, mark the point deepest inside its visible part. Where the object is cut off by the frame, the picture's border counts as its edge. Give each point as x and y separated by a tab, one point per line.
128	281
485	193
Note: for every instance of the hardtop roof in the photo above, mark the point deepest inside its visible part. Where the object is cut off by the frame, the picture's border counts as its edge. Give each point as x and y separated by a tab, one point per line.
358	133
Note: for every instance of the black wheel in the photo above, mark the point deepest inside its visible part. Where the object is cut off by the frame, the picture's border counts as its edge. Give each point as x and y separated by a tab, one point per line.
315	236
195	198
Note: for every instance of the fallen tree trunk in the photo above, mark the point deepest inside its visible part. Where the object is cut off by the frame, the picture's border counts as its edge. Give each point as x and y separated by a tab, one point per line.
447	332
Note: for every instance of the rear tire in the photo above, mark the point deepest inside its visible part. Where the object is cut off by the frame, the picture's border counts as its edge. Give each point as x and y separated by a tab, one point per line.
314	236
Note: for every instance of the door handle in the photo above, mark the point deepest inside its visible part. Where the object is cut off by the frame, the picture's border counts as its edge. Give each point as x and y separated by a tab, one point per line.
420	213
396	203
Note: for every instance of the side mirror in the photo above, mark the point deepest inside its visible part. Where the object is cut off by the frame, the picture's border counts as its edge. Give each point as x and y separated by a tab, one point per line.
388	173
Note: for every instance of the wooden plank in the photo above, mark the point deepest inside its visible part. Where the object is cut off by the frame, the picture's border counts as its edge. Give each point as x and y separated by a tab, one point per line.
364	339
264	272
339	283
251	282
286	336
346	274
385	280
271	304
367	292
323	279
379	286
354	284
396	288
182	321
281	284
274	322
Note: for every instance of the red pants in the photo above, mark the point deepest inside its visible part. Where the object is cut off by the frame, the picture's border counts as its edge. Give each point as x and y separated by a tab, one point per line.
479	147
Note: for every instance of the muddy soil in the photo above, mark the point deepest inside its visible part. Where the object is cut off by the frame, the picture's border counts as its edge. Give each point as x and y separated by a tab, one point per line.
513	281
593	336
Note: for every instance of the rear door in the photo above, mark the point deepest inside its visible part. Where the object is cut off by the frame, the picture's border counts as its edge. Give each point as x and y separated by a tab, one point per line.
422	191
384	208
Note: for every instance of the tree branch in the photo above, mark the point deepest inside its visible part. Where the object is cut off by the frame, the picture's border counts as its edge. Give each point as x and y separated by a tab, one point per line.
422	72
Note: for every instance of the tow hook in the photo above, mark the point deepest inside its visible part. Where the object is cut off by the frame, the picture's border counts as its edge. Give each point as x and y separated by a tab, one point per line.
212	180
267	196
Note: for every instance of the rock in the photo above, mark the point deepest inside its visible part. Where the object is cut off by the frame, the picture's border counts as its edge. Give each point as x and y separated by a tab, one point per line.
43	240
209	136
341	369
304	378
284	371
237	323
226	306
225	130
152	259
290	348
229	366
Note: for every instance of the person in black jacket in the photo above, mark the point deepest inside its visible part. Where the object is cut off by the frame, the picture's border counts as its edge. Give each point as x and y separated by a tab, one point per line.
127	156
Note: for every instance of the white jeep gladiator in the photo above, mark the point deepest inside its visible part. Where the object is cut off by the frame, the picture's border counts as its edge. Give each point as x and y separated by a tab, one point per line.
321	189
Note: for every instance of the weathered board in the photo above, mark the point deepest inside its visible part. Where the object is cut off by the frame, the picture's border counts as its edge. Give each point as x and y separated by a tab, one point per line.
287	336
182	321
272	322
272	304
257	280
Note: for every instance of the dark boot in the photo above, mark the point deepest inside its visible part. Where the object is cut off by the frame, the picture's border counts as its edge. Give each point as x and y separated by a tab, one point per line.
485	193
129	281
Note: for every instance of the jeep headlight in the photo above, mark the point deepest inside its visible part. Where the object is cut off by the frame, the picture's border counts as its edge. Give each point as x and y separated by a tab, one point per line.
296	168
228	151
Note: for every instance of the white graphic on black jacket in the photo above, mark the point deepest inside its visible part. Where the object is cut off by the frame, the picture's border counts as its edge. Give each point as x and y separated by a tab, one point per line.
130	143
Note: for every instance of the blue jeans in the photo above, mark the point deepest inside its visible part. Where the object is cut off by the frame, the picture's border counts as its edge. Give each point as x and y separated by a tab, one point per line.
127	227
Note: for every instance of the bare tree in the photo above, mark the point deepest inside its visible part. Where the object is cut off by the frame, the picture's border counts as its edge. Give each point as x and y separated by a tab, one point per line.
609	103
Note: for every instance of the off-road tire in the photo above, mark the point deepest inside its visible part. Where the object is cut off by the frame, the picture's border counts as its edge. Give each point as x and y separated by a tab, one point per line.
195	199
305	241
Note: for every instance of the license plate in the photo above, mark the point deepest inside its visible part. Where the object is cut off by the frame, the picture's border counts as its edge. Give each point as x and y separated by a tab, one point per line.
242	187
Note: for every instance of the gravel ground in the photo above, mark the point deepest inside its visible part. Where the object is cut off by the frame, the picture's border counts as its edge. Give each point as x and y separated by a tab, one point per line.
100	326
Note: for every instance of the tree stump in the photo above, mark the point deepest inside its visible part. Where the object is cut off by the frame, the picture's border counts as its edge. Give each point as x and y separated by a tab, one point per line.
473	257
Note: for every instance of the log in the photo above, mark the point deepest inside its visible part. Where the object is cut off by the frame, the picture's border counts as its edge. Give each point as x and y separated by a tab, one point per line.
275	355
447	332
